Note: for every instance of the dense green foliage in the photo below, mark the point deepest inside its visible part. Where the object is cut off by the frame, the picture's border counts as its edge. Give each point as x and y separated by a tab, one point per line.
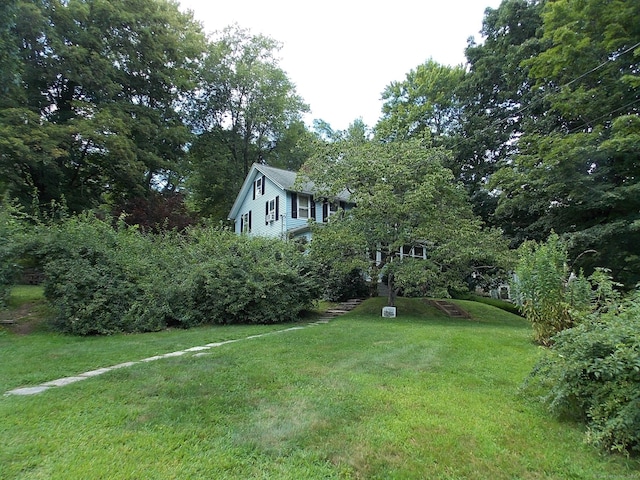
592	372
245	110
550	295
93	114
239	279
543	125
100	103
424	103
576	171
102	280
11	234
404	198
127	106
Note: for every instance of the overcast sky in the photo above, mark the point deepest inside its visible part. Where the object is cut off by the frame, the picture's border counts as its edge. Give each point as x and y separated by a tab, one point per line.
341	54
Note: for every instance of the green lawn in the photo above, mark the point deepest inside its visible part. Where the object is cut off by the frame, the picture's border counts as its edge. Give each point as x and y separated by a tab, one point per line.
420	396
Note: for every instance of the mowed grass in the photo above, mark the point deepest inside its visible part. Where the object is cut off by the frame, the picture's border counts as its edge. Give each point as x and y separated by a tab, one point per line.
420	396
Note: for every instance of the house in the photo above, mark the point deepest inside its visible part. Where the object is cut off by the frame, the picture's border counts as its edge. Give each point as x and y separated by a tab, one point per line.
269	205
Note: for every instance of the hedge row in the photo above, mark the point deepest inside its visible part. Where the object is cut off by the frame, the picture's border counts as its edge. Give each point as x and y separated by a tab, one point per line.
12	234
102	280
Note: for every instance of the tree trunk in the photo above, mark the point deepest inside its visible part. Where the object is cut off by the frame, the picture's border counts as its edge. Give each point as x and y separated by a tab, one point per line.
392	290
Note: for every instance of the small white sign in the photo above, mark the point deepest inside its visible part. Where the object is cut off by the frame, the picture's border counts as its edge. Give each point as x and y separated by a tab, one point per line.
389	312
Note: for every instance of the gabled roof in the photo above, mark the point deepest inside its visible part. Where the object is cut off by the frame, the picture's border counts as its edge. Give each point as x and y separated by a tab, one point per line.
284	179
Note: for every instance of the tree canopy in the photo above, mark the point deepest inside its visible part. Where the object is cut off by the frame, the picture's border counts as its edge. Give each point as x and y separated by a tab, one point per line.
245	110
545	130
95	111
127	106
580	177
405	201
110	103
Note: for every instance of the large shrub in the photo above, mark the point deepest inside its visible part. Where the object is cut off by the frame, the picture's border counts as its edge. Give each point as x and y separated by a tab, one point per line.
593	371
239	279
102	280
12	229
95	275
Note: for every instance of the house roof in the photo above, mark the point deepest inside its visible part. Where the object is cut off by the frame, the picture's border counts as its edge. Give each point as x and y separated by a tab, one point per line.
284	179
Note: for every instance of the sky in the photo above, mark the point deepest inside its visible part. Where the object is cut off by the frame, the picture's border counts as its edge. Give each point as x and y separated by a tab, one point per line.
341	54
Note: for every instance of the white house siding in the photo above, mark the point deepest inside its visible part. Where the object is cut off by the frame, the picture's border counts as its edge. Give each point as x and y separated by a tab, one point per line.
284	225
293	223
257	208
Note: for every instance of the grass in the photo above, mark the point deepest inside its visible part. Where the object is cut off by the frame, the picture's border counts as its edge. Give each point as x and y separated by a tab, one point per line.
419	396
26	307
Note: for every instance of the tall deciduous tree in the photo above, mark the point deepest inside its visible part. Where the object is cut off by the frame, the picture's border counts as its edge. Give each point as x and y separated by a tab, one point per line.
8	49
581	177
495	91
100	83
246	102
404	199
425	101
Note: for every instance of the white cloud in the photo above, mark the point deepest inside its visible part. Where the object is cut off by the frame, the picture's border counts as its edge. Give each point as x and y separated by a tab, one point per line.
341	54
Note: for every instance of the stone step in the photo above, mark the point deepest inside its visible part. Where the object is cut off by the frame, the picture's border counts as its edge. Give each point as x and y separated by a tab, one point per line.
340	309
449	308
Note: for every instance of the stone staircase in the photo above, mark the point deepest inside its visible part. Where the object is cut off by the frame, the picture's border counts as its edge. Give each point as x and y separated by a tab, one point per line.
450	309
339	309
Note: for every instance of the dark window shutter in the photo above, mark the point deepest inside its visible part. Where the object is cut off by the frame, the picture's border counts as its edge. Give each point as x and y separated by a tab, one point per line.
263	182
266	212
249	220
254	190
294	205
325	211
241	223
277	208
312	207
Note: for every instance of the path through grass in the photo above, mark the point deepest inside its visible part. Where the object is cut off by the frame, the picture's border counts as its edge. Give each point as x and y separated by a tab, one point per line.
421	396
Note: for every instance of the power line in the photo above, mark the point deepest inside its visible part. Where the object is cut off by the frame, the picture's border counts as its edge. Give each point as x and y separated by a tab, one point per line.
610	59
523	109
624	107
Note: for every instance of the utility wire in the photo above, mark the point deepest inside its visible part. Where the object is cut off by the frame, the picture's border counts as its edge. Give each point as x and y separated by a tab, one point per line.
523	109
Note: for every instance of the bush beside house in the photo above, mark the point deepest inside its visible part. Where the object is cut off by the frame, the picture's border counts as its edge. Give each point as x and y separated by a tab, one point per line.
103	280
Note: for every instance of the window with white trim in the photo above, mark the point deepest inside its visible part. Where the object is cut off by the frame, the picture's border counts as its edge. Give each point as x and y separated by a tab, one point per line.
258	186
417	251
245	222
303	206
271	210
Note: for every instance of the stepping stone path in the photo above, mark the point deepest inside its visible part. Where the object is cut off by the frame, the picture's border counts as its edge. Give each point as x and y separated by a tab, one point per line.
196	351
